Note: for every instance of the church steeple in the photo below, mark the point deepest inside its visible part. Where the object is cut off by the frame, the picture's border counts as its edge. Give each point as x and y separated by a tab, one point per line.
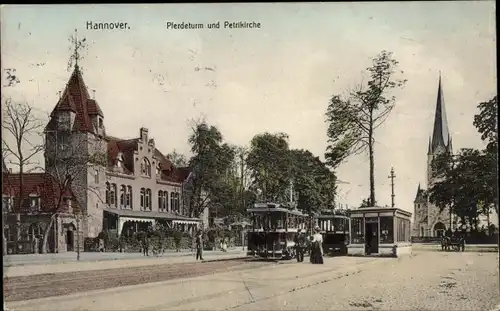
440	133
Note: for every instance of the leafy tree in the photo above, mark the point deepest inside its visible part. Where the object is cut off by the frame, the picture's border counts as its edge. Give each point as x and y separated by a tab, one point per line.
269	163
486	123
352	120
460	185
178	159
313	181
209	164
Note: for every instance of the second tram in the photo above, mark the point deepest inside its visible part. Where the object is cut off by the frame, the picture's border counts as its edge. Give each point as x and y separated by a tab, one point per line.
335	230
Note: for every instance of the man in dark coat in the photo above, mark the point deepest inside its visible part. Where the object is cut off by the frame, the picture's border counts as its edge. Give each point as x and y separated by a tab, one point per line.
199	246
300	245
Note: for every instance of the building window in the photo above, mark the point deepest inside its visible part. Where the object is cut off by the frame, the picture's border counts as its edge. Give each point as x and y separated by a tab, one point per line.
145	167
165	201
129	197
143	195
99	122
108	189
112	195
158	170
96	176
172	202
357	230
34	203
123	193
160	201
386	230
148	200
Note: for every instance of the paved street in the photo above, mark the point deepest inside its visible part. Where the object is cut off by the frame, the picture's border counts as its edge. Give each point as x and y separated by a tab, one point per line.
34	259
426	281
134	261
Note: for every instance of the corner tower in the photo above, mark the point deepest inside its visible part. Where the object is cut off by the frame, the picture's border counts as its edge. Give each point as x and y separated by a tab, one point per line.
74	146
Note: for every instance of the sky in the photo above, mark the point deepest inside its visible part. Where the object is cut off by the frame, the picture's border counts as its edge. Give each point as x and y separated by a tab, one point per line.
277	78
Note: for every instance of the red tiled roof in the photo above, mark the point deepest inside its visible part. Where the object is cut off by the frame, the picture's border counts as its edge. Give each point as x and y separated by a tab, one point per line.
42	185
76	98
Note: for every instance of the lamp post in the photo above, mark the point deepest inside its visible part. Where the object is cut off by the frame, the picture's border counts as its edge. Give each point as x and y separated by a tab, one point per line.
77	215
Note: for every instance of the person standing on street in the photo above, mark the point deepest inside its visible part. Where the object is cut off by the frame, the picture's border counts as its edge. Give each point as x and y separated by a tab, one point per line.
199	246
300	245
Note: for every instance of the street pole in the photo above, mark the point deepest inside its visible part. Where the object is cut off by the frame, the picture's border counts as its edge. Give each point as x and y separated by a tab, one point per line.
77	237
391	177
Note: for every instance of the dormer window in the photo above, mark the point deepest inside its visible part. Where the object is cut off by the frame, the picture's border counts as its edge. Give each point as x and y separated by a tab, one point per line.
119	160
100	124
34	203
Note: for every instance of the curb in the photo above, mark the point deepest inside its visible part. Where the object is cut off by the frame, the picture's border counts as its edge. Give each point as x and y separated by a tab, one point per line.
225	259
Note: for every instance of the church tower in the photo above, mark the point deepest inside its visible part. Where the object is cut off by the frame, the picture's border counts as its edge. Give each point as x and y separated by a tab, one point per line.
428	220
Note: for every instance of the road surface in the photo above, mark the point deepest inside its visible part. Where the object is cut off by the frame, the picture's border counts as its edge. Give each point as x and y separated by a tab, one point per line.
43	259
426	281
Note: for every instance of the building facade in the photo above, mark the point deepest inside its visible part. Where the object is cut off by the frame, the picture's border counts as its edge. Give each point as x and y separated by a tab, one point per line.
429	221
124	185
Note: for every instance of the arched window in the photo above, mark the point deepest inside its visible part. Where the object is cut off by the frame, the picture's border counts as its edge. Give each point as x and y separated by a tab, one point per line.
158	170
123	193
145	167
129	197
112	195
160	200
108	190
148	199
143	198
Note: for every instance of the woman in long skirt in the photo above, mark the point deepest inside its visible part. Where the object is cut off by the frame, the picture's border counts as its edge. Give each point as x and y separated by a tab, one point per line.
317	247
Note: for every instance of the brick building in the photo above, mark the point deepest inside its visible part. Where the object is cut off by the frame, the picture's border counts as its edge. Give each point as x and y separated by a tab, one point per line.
118	184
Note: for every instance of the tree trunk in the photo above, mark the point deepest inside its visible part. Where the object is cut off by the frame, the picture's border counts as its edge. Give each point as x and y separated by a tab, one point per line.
372	168
46	234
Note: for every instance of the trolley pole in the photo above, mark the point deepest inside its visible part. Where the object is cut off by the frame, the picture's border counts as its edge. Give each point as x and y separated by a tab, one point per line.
391	177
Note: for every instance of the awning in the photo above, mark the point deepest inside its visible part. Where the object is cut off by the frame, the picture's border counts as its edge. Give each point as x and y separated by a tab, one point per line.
136	219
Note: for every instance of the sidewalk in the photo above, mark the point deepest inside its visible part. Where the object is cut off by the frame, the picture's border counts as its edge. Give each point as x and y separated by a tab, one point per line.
468	247
60	267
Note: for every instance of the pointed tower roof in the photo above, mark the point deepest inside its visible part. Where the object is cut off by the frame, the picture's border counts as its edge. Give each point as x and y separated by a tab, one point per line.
440	133
76	98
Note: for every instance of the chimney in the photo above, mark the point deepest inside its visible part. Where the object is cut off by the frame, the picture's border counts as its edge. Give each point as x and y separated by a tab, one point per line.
93	94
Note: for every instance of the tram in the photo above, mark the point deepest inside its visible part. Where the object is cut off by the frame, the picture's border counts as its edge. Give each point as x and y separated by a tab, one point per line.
274	228
335	230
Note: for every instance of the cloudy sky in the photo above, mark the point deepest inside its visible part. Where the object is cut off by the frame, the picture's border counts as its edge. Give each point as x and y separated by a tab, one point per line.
277	78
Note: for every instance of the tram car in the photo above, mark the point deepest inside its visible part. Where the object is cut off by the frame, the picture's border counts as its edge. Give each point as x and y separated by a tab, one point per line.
273	231
335	230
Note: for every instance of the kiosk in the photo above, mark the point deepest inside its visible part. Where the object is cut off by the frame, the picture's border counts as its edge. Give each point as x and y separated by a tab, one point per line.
380	231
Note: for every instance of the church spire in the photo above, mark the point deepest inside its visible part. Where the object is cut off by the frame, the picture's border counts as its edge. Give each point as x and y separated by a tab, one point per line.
440	134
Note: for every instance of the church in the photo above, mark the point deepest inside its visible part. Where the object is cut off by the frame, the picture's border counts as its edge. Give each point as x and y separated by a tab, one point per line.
428	220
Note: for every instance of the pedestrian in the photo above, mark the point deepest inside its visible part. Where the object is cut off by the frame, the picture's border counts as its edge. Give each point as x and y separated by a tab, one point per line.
300	245
199	246
224	245
145	245
317	247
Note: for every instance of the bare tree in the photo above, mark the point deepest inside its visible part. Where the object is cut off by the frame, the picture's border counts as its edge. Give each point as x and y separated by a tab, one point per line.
21	129
352	121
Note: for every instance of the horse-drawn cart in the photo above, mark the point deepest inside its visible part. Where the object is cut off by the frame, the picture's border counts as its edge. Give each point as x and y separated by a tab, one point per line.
456	243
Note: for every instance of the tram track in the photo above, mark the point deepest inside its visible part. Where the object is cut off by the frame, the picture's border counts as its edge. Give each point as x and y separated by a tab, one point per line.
47	285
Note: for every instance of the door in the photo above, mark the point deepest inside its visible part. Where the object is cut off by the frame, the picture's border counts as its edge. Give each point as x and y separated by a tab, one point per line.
371	238
70	240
